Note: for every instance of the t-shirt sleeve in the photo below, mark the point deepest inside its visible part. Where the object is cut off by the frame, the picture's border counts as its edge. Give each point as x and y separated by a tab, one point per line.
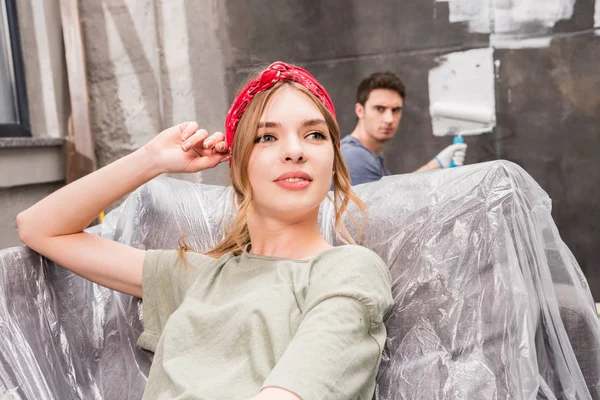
166	279
336	351
362	168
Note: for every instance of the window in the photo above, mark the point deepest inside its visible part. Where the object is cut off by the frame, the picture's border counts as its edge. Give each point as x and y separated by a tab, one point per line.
14	112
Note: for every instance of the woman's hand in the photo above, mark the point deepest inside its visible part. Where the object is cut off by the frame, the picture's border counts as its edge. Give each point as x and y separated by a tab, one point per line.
275	393
184	148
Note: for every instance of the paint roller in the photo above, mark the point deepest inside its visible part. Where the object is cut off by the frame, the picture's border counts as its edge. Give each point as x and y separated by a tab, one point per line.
462	120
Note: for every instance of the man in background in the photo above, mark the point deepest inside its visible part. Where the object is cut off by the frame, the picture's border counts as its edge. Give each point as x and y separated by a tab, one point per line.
379	105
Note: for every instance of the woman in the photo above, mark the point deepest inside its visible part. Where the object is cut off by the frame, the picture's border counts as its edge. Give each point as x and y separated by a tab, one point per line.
273	311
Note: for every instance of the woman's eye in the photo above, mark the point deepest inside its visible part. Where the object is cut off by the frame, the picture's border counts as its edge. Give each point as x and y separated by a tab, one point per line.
316	136
265	139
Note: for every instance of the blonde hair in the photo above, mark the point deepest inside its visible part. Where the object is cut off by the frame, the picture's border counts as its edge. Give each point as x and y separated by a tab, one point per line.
237	235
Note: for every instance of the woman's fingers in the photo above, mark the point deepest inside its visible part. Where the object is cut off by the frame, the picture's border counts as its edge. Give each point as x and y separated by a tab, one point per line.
221	147
187	129
209	161
214	140
212	149
194	140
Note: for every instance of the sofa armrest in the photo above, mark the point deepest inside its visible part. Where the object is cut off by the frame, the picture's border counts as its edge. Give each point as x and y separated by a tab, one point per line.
581	327
62	334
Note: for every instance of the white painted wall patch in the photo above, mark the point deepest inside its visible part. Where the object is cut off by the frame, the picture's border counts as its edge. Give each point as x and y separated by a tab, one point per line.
463	86
511	23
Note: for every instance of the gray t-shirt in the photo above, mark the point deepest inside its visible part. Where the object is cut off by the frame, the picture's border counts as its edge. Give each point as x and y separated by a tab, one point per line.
363	165
224	329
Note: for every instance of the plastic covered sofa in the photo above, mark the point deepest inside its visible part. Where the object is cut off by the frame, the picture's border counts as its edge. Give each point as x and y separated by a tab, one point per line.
490	303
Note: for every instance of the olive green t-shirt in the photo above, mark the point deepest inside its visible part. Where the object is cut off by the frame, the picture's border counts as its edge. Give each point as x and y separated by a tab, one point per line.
225	328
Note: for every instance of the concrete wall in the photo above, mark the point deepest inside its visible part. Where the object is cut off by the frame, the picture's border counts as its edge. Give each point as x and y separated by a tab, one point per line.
546	86
152	63
45	75
13	201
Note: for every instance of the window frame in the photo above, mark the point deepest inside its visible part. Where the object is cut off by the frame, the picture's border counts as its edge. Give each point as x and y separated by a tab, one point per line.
23	127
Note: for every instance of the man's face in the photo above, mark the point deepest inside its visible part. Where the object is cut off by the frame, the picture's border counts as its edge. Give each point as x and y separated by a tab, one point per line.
381	114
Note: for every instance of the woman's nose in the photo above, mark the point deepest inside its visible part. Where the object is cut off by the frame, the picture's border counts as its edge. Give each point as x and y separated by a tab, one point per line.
293	151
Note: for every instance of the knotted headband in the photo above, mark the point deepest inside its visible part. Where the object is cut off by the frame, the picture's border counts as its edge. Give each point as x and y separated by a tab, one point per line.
276	72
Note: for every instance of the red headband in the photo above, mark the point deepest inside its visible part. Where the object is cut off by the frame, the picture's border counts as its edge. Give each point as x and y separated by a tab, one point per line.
276	72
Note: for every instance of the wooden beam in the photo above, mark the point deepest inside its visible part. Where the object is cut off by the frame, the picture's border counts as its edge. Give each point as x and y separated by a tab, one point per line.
81	159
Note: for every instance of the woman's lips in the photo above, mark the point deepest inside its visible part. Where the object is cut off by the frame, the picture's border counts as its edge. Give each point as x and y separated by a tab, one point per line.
297	184
296	180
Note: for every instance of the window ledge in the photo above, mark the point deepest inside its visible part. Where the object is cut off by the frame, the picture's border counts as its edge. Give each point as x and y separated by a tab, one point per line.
30	161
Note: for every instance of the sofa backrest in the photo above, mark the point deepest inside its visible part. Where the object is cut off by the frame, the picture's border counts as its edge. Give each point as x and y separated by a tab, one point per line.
472	252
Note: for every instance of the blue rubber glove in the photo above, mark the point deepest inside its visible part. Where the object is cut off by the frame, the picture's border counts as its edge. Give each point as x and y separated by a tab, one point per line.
454	152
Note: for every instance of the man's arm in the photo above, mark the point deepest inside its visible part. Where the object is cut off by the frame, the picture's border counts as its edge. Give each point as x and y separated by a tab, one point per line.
454	152
430	166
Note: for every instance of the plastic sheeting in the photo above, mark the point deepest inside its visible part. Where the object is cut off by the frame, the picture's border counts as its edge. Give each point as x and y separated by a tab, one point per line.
490	303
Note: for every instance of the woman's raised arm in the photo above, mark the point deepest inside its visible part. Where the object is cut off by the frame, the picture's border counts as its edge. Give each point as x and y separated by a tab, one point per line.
54	226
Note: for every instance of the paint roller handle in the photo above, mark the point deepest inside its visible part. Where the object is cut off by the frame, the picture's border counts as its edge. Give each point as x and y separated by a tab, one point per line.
454	152
456	140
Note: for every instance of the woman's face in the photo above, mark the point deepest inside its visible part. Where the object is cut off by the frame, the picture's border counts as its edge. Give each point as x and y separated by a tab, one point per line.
291	164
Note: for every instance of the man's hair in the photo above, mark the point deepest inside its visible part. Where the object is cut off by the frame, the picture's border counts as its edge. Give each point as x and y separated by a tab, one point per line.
379	80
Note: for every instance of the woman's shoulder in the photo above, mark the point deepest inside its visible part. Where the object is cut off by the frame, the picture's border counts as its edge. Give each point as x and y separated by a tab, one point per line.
353	271
203	259
185	259
351	257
